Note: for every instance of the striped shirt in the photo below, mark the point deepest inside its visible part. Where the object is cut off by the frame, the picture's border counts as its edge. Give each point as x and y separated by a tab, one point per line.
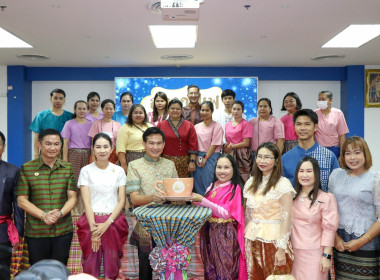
47	189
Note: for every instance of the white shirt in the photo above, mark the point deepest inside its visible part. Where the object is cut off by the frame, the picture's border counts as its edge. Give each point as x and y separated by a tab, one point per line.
103	185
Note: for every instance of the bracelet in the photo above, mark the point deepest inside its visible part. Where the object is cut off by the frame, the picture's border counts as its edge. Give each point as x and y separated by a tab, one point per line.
367	236
206	157
42	216
111	220
60	212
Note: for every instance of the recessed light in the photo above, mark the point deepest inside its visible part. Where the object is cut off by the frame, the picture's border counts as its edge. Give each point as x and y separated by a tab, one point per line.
354	36
176	57
33	57
328	57
174	36
284	6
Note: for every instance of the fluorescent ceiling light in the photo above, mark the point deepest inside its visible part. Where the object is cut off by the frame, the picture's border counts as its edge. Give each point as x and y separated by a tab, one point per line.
354	36
174	36
8	40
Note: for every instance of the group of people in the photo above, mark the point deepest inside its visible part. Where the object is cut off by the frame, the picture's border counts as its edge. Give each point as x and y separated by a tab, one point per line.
280	202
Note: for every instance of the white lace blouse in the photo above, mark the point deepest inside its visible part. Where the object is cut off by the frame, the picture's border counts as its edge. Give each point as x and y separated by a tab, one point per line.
268	217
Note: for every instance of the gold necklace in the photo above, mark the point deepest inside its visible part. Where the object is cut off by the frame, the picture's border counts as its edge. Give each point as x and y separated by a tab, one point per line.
215	191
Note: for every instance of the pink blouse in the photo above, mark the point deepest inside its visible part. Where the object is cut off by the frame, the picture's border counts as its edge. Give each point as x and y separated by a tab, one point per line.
314	227
208	136
290	133
237	134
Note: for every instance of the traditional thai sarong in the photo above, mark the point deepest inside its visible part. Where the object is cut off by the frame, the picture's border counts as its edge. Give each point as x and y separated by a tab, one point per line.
78	159
110	249
288	145
74	263
220	250
244	160
361	264
203	176
260	260
132	155
181	164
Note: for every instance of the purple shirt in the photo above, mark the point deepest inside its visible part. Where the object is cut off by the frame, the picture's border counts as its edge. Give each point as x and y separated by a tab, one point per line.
77	134
91	118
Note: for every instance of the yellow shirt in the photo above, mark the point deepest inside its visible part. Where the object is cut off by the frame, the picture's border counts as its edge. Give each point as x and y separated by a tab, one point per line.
130	138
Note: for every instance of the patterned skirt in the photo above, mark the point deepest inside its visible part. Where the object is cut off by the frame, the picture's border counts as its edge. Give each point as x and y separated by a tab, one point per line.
132	155
181	164
78	159
260	260
361	264
244	161
220	250
288	145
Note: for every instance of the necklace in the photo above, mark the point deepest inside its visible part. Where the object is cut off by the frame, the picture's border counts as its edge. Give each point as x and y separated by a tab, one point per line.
215	191
303	198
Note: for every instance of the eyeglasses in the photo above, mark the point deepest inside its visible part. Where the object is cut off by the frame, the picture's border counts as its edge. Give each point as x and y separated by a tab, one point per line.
265	158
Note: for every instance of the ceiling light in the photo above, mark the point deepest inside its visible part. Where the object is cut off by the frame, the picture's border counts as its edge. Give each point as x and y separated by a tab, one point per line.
354	36
8	40
174	36
328	57
33	57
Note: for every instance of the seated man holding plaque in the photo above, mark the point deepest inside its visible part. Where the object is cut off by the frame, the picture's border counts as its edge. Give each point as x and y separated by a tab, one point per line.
141	178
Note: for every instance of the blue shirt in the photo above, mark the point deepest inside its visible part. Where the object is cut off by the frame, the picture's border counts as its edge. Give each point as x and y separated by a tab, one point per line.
326	159
46	119
119	117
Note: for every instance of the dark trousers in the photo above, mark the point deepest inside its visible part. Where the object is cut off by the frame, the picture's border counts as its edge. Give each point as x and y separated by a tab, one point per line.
145	270
56	248
5	260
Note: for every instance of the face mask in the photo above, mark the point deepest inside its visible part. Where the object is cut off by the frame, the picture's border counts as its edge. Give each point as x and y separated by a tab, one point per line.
322	104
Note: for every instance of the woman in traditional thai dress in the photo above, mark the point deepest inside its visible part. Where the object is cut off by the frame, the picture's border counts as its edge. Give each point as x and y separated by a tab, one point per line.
107	126
291	103
314	223
238	134
222	237
129	143
268	216
181	143
357	191
93	102
266	127
76	150
160	109
102	229
210	140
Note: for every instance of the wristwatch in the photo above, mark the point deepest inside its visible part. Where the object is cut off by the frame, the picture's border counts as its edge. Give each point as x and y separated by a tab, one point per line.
326	255
192	160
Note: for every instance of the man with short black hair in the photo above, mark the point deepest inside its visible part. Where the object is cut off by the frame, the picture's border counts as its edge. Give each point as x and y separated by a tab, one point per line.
10	229
141	176
305	125
55	117
192	112
46	190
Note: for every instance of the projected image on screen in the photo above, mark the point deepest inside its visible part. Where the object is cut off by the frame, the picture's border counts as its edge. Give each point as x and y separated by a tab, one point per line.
144	89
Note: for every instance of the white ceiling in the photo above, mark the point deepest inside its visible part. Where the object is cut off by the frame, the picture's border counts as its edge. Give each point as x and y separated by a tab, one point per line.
94	33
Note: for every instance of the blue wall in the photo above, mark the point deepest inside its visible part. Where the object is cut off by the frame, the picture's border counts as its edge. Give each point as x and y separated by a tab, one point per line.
21	77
